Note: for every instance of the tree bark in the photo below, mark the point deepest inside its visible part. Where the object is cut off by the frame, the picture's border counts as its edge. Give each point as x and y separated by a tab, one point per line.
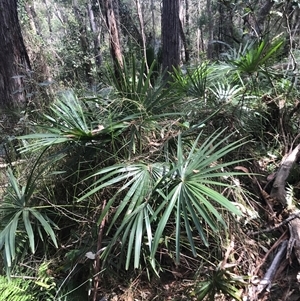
170	34
187	35
96	34
262	16
278	190
210	29
142	29
33	21
114	39
84	42
279	193
184	57
49	12
153	22
14	61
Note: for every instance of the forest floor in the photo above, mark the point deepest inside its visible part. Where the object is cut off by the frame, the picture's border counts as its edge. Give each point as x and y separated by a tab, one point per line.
285	287
252	253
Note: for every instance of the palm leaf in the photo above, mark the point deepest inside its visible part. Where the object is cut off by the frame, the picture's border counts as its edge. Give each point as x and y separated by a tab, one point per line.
151	197
45	224
17	203
29	230
189	199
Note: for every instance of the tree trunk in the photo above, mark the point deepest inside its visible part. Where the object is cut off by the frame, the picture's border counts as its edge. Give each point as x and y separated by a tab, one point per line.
114	40
187	36
14	61
210	29
262	16
153	22
84	42
184	56
170	35
49	12
33	21
142	29
96	35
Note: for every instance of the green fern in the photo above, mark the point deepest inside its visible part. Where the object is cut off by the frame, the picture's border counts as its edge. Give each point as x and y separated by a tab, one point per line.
16	289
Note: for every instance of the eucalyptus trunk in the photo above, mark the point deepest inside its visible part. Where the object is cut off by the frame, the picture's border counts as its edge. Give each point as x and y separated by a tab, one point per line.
142	29
210	30
170	35
32	16
114	37
14	61
96	34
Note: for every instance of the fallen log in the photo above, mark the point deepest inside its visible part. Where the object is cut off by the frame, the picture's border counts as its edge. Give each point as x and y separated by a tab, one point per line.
266	282
278	189
278	192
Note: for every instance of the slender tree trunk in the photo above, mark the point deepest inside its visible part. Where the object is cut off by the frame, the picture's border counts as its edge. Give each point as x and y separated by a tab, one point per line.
170	34
141	21
63	19
254	23
96	35
200	45
49	12
84	43
14	61
33	21
182	23
187	25
262	16
210	29
153	22
114	39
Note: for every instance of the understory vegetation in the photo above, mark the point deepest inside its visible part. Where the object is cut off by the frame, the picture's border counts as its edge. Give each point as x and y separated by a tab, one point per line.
139	182
142	188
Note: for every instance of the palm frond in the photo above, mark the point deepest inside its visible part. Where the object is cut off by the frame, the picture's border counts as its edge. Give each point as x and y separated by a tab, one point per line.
225	92
194	82
152	196
188	195
254	56
140	97
18	212
68	124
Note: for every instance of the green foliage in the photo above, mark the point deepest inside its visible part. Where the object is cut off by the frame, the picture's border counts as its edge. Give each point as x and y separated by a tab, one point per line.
17	289
254	56
251	61
44	285
20	213
29	288
71	121
219	280
159	187
226	93
189	197
194	82
155	196
134	84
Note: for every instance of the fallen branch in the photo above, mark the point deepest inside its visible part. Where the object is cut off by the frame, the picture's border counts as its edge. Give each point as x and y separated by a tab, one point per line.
278	190
267	280
294	242
264	259
270	229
